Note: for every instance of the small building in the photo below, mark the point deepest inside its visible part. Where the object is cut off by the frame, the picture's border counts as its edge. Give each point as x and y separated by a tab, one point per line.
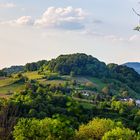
138	103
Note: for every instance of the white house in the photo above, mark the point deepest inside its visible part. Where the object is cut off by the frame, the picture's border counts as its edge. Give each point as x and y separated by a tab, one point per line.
138	102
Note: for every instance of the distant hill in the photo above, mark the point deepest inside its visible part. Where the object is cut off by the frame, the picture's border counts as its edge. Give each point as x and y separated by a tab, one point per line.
13	69
34	66
134	65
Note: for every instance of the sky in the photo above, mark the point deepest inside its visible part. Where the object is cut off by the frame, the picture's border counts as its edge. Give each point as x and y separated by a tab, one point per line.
33	30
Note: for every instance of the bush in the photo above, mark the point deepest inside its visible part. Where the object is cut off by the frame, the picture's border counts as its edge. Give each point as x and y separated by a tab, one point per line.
46	129
120	134
95	129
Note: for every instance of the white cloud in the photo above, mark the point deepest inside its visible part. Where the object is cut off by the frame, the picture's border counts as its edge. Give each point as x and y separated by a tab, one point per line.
25	20
65	18
7	5
61	18
22	21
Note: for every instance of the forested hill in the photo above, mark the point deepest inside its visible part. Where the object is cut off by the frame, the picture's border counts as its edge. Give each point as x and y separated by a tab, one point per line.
13	69
134	65
80	64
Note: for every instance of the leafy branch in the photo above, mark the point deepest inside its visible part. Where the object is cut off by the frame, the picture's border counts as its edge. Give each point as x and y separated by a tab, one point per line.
137	28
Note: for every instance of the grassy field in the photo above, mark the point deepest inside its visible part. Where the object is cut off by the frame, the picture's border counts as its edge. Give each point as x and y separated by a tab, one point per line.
11	88
81	80
52	82
33	75
6	81
7	84
98	82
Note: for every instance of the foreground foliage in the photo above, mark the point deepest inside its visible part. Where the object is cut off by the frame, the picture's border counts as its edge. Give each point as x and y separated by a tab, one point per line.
96	128
120	134
47	128
54	129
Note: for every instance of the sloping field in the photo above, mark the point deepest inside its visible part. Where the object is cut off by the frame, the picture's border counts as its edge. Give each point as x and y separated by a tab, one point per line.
7	81
52	82
33	75
11	88
97	81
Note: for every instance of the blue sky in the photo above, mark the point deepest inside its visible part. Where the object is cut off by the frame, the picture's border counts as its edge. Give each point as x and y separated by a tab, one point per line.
32	30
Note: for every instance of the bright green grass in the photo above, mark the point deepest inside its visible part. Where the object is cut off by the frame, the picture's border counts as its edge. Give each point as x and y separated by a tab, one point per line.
33	75
7	81
98	82
87	105
11	88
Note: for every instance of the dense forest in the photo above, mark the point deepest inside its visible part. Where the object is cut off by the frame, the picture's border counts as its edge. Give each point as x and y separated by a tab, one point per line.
72	97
